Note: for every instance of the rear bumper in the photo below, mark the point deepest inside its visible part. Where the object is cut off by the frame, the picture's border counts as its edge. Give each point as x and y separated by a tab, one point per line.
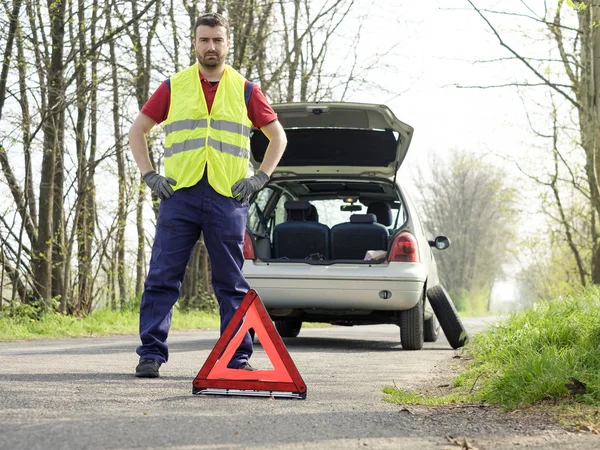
337	286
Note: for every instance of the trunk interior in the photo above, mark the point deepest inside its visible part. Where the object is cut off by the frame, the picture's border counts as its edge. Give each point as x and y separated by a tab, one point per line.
325	221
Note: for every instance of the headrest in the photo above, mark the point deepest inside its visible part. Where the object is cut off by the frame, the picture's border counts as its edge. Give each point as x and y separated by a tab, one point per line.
297	205
363	218
313	216
297	209
382	211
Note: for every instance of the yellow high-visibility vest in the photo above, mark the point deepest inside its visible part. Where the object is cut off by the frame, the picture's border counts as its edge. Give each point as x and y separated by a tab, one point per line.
197	140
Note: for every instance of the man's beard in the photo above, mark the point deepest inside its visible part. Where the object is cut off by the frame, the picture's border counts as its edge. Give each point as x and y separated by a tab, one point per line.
210	62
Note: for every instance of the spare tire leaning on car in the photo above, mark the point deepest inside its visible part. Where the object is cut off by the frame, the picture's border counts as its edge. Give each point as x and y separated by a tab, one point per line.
446	314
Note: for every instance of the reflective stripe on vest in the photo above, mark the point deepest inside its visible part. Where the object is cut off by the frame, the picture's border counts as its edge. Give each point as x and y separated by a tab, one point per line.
193	144
188	124
194	138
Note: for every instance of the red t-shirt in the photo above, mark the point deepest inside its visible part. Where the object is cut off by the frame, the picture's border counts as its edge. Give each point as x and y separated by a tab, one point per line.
260	112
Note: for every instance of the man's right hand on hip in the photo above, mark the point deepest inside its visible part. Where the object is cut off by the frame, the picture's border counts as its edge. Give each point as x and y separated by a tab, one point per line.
160	184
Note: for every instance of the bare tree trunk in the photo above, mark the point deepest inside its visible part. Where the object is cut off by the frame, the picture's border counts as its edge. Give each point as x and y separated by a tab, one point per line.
90	186
12	31
175	36
110	275
241	20
42	251
29	196
589	115
28	191
191	7
83	217
294	52
122	200
561	210
58	220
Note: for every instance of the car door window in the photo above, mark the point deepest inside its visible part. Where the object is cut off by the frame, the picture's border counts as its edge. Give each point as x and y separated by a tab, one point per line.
256	220
280	213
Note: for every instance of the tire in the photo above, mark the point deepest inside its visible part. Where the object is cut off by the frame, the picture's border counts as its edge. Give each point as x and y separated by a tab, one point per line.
411	327
432	329
288	328
446	314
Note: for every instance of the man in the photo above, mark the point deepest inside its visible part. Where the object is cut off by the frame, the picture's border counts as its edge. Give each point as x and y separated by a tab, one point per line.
208	110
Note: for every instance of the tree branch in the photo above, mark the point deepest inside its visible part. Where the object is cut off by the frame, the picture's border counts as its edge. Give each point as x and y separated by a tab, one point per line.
524	61
553	85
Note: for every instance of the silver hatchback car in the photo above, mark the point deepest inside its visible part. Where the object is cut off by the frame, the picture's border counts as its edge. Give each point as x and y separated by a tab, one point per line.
334	237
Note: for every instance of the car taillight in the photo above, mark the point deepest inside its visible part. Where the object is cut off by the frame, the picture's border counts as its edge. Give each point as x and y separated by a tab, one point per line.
404	248
248	247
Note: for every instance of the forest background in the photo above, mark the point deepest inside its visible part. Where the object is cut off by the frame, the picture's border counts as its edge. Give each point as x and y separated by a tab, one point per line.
504	101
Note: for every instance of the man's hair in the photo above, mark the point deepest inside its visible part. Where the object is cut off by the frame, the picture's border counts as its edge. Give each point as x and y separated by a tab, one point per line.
212	20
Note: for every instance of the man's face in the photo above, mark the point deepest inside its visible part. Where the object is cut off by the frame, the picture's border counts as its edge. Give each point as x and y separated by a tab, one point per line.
211	45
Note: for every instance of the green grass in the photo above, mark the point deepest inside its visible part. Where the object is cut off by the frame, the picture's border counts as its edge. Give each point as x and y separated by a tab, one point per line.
530	356
404	397
100	323
103	322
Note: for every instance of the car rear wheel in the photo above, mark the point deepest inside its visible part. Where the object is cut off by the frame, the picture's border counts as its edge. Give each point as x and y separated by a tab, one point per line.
444	309
288	328
411	327
432	329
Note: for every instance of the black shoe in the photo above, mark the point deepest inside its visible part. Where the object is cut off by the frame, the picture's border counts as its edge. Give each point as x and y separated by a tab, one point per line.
246	366
147	368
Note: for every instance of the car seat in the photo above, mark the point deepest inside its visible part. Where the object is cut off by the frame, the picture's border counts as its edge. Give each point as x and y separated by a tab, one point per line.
352	240
382	211
301	237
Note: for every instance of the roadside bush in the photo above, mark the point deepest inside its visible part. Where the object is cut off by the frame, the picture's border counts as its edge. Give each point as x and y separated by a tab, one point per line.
471	303
25	312
540	353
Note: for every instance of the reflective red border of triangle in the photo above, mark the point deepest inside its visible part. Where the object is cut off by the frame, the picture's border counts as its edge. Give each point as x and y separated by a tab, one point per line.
213	374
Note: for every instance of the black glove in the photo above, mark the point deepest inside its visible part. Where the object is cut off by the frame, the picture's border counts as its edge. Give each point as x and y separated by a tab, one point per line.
159	184
243	189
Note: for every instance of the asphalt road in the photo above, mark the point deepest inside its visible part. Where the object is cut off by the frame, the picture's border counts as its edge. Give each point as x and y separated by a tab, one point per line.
81	394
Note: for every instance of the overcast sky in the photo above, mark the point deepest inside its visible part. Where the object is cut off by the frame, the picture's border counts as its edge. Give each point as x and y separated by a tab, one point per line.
441	44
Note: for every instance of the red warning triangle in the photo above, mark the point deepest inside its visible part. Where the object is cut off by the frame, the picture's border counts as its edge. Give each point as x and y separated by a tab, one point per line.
284	378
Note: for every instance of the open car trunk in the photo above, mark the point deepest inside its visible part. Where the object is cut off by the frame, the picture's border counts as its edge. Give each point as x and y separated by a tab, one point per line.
337	139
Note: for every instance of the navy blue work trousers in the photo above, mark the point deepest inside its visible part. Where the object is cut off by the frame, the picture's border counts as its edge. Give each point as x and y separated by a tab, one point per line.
181	220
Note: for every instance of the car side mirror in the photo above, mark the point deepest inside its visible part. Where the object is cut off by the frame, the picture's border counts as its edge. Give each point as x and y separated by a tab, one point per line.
440	242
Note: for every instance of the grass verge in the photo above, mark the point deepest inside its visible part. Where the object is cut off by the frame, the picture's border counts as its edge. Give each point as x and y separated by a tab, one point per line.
103	322
549	353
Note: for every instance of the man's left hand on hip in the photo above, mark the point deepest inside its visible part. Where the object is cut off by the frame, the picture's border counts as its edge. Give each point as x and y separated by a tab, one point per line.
243	189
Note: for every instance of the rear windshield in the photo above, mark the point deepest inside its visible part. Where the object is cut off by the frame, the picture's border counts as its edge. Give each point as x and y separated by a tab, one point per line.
331	213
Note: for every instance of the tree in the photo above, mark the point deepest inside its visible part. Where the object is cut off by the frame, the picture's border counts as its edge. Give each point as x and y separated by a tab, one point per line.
35	250
468	200
572	72
74	73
